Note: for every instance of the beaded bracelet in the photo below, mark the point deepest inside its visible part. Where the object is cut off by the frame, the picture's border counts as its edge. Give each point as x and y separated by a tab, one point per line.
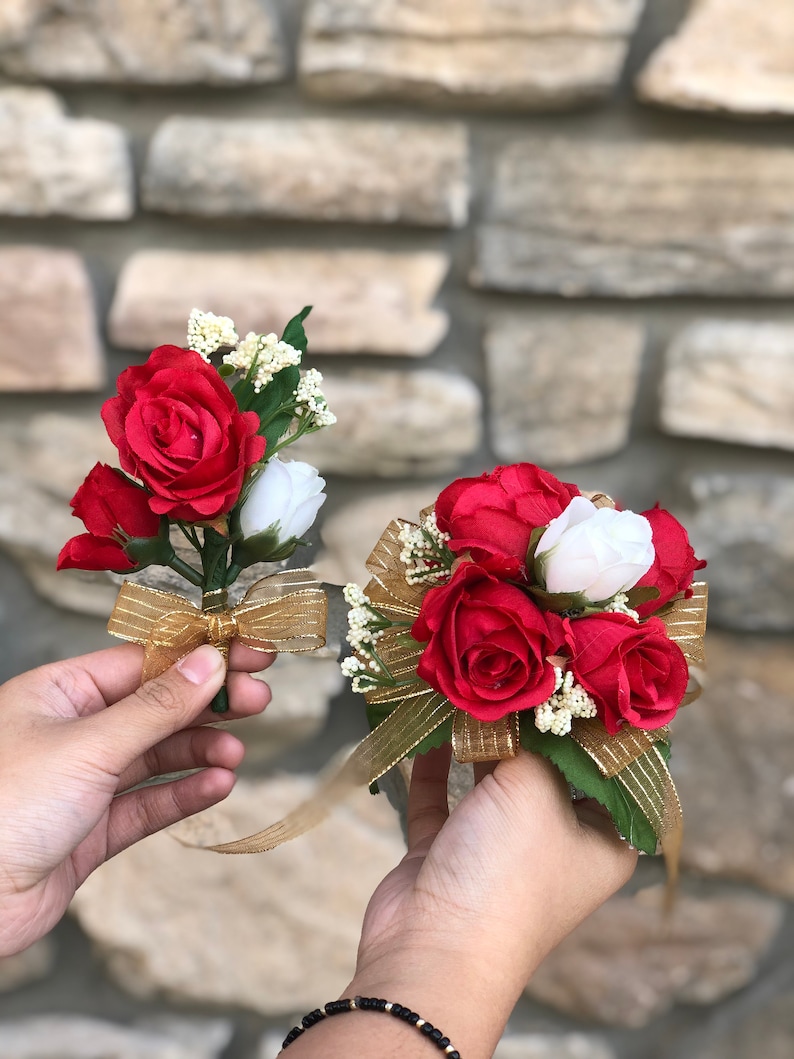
368	1003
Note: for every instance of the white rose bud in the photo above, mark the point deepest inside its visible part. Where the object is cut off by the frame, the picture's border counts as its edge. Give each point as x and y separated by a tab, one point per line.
282	504
594	551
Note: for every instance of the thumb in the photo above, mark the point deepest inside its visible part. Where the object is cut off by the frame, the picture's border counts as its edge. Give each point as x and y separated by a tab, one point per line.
160	707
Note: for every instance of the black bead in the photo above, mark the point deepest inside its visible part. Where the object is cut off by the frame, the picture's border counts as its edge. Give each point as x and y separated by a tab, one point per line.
357	1001
405	1014
444	1042
312	1018
454	1055
427	1029
381	1004
436	1035
397	1010
413	1018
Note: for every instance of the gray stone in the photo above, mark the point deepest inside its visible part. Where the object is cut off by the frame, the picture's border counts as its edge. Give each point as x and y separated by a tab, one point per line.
733	764
731	380
742	525
53	165
351	532
768	1031
526	54
321	169
28	966
269	932
394	424
727	56
639	219
562	389
48	328
145	42
365	301
552	1046
626	964
79	1037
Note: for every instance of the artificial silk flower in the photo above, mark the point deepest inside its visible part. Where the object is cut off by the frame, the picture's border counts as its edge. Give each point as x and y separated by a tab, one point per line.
283	501
594	551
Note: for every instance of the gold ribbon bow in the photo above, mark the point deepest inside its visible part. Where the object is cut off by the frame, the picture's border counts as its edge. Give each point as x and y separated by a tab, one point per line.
284	612
631	756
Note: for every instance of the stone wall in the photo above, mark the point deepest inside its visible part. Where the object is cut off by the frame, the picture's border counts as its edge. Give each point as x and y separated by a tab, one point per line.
531	230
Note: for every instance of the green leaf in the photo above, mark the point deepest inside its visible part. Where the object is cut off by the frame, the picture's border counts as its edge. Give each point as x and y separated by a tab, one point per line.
294	333
581	771
439	736
534	539
557	601
642	594
225	370
278	392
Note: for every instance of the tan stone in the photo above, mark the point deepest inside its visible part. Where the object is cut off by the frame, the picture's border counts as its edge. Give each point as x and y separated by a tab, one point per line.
626	965
732	763
28	966
16	19
731	380
48	328
365	301
742	525
639	219
393	424
51	164
524	54
552	1046
729	56
54	451
79	1037
147	42
384	172
275	932
350	534
562	389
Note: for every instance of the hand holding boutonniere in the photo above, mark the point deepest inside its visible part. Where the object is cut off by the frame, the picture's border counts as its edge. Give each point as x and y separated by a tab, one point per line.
199	450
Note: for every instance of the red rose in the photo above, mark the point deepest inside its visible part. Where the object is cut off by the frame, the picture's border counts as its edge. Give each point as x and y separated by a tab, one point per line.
493	516
674	566
487	644
107	502
178	428
634	672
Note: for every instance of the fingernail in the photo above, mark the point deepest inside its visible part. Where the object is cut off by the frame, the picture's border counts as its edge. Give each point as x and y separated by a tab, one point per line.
201	664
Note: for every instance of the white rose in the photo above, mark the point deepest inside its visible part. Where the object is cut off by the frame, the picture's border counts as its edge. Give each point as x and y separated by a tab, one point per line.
283	500
595	551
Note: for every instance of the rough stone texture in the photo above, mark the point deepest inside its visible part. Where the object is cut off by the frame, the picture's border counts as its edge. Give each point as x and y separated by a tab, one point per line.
302	687
48	327
562	389
742	525
639	219
275	932
382	172
731	380
143	42
552	1046
365	301
524	53
733	763
396	424
76	1037
767	1032
53	165
28	966
625	965
350	534
729	56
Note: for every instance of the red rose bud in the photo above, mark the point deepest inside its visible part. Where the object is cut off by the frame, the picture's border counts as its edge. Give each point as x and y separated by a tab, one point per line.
114	510
487	644
674	567
493	516
177	427
634	673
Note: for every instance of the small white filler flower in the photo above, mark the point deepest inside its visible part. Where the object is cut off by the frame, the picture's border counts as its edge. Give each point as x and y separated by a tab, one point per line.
594	551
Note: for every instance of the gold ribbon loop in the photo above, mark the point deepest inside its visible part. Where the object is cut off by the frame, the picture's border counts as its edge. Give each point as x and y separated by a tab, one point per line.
284	612
474	740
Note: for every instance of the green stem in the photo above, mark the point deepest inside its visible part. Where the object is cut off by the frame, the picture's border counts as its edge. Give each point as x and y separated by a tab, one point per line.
186	570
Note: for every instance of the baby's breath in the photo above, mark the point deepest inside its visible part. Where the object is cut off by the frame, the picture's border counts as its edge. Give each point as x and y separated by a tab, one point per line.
424	551
568	701
207	332
310	400
266	354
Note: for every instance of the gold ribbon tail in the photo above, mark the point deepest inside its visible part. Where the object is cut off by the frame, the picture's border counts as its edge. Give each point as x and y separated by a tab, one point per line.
394	737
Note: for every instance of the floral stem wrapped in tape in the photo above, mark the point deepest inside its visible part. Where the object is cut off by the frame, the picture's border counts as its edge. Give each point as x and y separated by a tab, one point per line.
199	450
